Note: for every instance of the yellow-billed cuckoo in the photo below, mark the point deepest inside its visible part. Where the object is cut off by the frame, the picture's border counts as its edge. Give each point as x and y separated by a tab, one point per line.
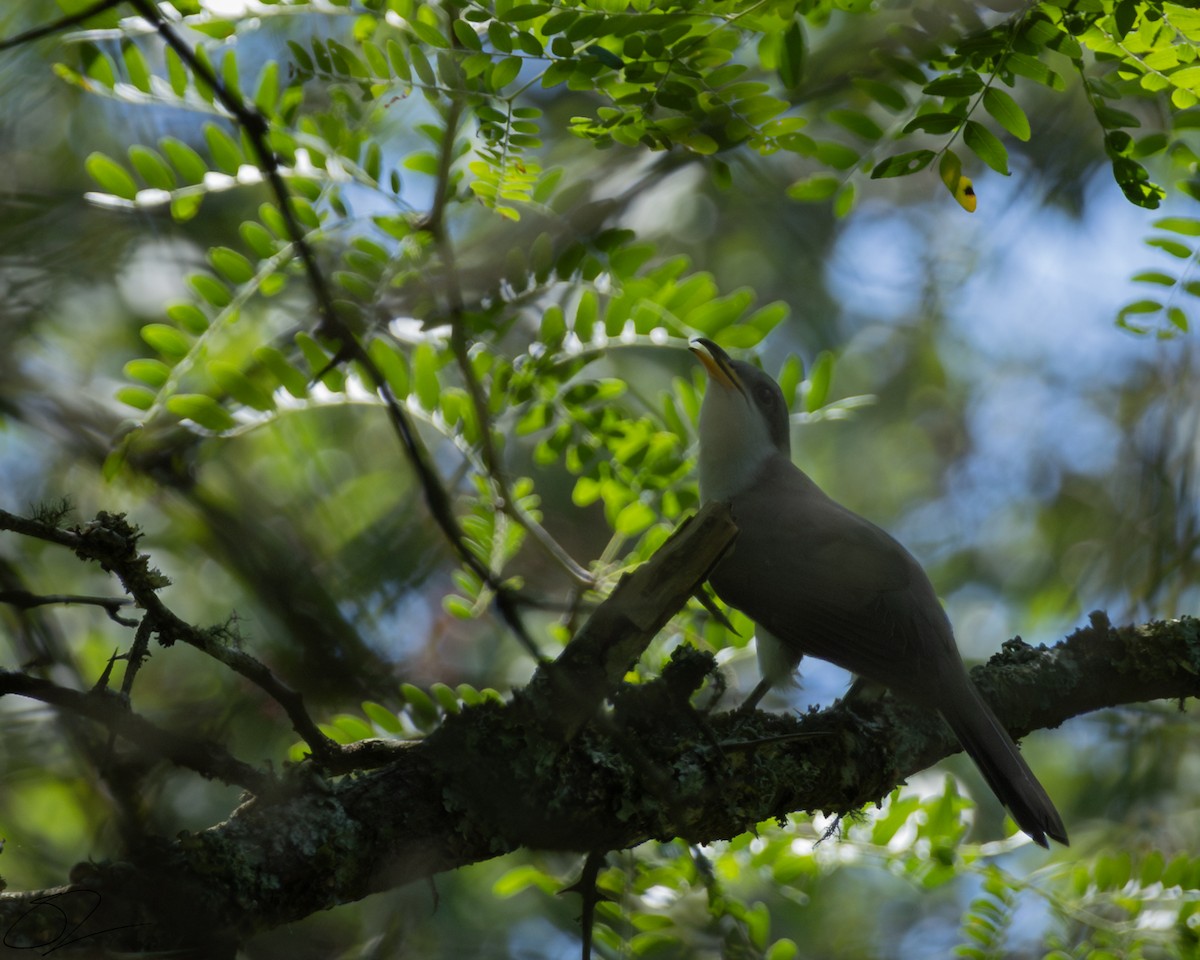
818	579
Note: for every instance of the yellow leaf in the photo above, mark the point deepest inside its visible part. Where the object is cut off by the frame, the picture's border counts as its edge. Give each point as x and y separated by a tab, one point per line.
959	185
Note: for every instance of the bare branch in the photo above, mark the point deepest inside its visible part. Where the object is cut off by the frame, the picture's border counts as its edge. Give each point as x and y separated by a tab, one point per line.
112	542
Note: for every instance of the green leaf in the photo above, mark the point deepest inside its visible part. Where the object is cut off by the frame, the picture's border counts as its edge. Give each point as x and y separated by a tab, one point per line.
1151	144
1151	868
188	162
935	123
110	175
559	22
229	73
792	55
166	339
137	397
837	155
857	123
152	168
419	702
767	318
153	373
266	94
553	327
445	696
504	72
226	154
524	11
902	164
1007	112
230	264
176	73
843	200
211	289
1141	306
136	66
303	211
425	376
1154	276
986	145
292	379
1113	119
902	66
1124	16
429	34
422	162
466	35
234	382
258	238
1187	226
1173	247
201	409
820	186
820	379
1033	69
634	518
421	65
783	949
789	378
522	878
954	85
884	94
188	317
398	60
97	65
585	315
382	717
301	57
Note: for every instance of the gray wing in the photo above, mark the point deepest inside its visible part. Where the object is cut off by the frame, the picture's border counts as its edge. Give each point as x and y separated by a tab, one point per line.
831	584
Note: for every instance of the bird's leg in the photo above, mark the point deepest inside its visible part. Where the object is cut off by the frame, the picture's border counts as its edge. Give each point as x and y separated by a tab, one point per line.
756	694
777	665
862	690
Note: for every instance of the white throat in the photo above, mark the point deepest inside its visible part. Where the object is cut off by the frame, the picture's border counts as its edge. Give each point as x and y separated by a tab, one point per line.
734	443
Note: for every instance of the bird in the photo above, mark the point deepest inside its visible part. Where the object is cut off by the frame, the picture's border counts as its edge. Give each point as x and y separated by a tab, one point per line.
818	579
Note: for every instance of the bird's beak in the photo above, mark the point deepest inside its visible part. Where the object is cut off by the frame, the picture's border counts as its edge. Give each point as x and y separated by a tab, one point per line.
717	362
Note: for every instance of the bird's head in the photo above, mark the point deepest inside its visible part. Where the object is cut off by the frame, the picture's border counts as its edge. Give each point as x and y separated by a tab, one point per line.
743	422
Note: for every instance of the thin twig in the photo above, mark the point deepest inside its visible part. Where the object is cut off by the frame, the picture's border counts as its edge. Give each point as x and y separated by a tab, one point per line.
139	652
435	224
57	26
25	600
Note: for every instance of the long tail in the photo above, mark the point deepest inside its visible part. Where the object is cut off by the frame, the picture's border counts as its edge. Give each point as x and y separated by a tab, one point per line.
1005	770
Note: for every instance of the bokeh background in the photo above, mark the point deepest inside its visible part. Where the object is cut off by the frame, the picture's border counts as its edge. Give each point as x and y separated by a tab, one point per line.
988	410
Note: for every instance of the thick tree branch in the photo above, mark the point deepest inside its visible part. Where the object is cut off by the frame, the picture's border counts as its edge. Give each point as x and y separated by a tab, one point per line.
528	773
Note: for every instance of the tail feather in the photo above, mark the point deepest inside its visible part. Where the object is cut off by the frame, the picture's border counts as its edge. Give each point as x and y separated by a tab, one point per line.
1005	770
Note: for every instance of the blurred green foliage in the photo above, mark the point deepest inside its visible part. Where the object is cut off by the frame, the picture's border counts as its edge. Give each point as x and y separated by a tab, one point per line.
523	211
